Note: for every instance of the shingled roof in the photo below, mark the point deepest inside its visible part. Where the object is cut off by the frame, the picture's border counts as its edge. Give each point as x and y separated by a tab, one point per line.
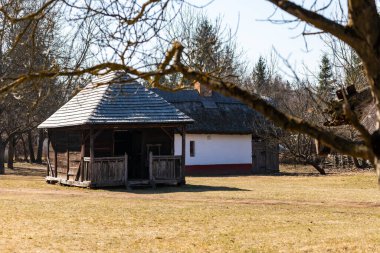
115	99
216	114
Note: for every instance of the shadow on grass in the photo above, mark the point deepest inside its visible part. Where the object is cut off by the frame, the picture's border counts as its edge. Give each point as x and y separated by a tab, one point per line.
274	174
293	174
25	171
172	188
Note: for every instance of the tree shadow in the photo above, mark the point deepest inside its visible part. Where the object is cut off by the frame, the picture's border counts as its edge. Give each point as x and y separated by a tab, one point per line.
274	174
26	171
293	174
164	188
221	175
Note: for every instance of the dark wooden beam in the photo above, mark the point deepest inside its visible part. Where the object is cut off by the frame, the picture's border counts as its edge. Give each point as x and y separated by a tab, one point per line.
82	150
98	133
47	156
126	170
85	136
143	150
55	163
67	155
167	133
91	152
183	157
151	177
119	126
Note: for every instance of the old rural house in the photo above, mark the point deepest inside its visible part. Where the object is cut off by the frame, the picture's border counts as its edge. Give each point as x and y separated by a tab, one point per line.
115	132
227	137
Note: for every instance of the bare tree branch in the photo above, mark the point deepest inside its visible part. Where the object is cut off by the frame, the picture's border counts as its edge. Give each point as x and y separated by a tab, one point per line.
344	33
31	16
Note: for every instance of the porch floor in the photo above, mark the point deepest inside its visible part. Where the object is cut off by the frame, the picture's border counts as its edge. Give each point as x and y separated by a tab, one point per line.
131	183
54	180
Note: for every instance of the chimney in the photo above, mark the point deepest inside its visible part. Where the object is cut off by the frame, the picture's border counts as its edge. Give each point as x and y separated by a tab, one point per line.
202	90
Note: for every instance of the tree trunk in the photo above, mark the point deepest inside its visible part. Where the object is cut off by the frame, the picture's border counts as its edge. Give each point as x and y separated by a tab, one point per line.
376	164
318	168
40	145
24	148
357	164
11	149
2	159
30	144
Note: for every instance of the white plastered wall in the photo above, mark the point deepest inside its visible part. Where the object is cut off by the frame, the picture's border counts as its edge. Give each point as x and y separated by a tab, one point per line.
216	149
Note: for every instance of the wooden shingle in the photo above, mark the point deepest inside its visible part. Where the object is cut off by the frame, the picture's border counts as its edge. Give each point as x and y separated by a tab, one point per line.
115	99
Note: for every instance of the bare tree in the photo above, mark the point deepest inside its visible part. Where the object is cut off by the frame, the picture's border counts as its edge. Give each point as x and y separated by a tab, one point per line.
346	62
27	46
121	27
209	46
300	101
361	32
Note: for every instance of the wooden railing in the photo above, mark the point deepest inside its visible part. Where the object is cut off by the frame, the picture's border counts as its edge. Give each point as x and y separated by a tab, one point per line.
164	167
85	167
106	171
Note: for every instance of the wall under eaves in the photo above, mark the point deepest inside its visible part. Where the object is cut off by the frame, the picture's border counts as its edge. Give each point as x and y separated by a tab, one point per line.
216	153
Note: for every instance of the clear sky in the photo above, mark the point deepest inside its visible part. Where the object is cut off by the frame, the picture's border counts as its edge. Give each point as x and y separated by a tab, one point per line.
258	36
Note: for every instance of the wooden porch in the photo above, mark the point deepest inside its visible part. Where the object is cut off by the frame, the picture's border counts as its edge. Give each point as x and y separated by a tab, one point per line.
113	171
68	165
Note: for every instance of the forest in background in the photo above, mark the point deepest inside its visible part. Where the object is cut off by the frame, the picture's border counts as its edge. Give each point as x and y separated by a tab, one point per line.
52	48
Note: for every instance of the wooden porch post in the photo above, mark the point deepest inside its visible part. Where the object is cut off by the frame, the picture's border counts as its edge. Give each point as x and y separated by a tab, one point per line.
267	157
55	163
91	153
67	155
151	178
126	170
47	155
82	149
183	157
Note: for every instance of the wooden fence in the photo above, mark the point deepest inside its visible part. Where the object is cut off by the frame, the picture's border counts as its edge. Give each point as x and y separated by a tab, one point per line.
106	171
113	171
164	167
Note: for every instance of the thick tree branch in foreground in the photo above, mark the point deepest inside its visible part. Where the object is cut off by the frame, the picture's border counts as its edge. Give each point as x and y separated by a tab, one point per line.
94	70
344	33
352	117
362	33
281	119
364	18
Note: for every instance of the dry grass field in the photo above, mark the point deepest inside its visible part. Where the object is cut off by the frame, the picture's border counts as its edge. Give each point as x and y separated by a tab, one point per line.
298	211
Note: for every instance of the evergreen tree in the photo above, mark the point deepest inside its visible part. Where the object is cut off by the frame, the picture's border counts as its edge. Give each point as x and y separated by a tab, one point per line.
260	76
207	51
208	47
325	79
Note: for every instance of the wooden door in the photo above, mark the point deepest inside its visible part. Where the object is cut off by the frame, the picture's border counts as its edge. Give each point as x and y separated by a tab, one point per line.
259	157
264	157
